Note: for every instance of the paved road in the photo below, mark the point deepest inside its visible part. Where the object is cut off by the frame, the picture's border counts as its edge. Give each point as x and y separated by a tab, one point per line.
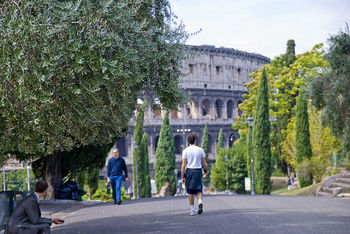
222	214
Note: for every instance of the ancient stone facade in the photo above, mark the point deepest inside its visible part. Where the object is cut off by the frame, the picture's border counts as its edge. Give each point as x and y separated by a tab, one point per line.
213	80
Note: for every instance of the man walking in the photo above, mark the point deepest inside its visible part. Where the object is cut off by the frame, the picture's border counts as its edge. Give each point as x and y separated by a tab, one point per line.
116	166
193	157
26	217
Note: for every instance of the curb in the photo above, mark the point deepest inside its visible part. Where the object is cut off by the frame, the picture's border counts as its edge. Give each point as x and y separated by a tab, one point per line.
73	202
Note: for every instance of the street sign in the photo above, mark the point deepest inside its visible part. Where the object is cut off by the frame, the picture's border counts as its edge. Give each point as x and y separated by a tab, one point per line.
247	183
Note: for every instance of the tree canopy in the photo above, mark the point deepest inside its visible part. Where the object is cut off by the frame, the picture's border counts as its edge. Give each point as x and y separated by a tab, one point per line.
330	92
71	70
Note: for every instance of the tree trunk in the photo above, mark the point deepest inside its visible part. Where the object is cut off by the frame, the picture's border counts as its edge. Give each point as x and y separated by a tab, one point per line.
53	174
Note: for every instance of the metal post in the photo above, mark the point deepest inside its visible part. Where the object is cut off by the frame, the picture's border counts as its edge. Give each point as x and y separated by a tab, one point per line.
137	177
226	160
252	161
28	178
4	178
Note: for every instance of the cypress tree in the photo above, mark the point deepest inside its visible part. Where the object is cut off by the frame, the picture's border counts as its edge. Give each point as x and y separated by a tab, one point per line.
164	165
92	180
148	188
261	139
204	145
302	141
277	137
137	155
81	179
220	144
290	54
218	172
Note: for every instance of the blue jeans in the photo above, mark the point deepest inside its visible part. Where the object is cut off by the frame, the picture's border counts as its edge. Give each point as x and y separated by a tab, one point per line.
116	182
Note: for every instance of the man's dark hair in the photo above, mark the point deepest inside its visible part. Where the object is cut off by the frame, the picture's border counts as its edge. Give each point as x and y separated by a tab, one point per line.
191	138
41	186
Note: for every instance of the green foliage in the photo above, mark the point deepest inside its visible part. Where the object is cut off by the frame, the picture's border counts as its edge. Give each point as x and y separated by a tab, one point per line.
330	91
92	180
285	81
148	187
81	178
289	57
319	168
304	172
302	139
261	139
17	180
101	194
220	142
164	165
139	153
71	71
76	160
218	171
302	136
237	165
204	143
204	146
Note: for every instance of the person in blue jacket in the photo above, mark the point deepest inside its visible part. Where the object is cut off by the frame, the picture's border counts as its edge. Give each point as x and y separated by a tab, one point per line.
116	166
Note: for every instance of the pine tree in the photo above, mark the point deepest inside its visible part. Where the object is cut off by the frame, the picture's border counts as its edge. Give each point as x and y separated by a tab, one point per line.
261	139
303	145
220	143
137	155
148	189
164	165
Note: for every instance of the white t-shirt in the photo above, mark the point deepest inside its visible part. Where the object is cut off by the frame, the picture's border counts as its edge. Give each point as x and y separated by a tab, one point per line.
194	155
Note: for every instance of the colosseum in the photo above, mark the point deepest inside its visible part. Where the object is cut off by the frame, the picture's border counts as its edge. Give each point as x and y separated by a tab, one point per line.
213	80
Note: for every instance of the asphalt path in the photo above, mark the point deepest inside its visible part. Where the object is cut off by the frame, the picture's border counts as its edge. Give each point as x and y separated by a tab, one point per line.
222	214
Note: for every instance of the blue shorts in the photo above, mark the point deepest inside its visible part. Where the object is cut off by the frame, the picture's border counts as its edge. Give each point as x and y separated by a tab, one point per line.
194	183
193	191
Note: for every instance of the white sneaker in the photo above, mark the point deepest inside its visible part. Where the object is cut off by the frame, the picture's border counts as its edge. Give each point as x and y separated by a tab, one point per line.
193	213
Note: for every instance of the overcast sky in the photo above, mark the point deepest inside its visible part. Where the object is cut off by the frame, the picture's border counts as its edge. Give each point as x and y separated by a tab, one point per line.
262	26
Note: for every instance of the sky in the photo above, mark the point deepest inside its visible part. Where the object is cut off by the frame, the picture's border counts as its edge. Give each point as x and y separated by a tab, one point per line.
262	26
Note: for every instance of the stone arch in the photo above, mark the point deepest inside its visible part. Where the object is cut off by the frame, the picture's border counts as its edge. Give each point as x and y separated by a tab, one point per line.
218	108
178	143
157	111
121	146
156	143
191	110
231	139
239	111
230	108
205	108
